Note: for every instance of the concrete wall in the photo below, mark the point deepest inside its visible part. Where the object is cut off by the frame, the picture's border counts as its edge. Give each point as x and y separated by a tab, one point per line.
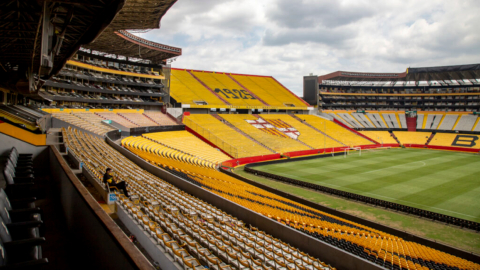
40	153
196	110
57	123
119	126
141	130
175	112
98	241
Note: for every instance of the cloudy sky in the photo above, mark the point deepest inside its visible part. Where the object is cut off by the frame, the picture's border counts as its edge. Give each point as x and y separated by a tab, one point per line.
289	39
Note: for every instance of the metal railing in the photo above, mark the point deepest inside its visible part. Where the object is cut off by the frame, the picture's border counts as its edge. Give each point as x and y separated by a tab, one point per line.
207	134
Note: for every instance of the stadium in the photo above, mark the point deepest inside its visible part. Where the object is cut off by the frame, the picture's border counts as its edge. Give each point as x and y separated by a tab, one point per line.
114	159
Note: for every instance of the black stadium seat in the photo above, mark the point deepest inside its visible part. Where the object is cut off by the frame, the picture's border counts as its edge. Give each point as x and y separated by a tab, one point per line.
30	215
22	254
15	157
22	240
18	174
20	203
21	156
15	189
17	171
18	231
19	218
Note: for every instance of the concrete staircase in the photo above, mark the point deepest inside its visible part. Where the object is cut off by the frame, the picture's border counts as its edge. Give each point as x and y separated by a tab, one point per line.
430	138
124	117
241	132
395	137
151	119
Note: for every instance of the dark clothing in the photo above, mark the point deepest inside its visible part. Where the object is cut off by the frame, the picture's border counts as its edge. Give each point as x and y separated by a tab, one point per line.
108	179
120	186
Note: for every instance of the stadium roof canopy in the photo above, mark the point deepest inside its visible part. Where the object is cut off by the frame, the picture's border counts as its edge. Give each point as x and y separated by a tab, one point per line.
136	16
37	37
461	75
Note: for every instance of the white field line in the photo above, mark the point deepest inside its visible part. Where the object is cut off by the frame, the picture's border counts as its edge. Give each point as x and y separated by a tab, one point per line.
422	205
361	193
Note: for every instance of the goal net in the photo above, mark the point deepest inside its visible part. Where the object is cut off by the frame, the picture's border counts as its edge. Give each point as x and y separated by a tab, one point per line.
346	151
378	149
359	150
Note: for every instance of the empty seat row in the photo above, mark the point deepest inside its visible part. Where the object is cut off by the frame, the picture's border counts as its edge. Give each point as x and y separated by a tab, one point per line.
139	119
335	131
85	121
20	219
425	120
179	221
160	118
382	137
407	137
277	143
118	118
307	135
187	143
221	89
303	218
225	137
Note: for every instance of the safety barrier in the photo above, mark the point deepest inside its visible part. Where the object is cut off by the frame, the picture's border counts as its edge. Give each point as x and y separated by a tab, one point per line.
325	251
447	148
377	202
22	134
295	154
247	160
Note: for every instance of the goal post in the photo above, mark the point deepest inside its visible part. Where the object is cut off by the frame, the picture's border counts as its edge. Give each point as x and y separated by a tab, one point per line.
359	149
346	151
377	149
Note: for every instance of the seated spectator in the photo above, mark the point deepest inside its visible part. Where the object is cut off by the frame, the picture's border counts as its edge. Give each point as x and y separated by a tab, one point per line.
112	182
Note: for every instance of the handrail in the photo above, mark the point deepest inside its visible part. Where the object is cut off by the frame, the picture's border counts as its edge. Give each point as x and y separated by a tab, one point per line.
207	134
112	71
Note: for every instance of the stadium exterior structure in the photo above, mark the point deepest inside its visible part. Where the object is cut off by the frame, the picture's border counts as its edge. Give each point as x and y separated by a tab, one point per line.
443	88
38	37
111	56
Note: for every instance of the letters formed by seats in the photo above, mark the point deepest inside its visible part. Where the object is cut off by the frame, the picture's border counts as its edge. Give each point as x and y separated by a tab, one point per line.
234	93
465	140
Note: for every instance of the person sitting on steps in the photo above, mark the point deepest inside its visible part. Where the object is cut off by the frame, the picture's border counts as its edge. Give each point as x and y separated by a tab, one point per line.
112	182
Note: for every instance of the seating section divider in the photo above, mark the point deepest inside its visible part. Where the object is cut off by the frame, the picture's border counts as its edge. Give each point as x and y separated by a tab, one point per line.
362	241
190	230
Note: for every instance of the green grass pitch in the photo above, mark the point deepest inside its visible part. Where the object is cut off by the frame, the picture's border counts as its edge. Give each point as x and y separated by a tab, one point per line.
438	181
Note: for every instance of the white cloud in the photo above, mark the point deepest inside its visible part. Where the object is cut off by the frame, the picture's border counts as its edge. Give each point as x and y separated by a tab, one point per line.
290	39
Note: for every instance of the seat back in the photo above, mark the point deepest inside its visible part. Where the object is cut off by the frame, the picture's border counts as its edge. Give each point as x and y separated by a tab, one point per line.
4	233
10	167
3	255
14	151
8	176
4	213
5	200
13	157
